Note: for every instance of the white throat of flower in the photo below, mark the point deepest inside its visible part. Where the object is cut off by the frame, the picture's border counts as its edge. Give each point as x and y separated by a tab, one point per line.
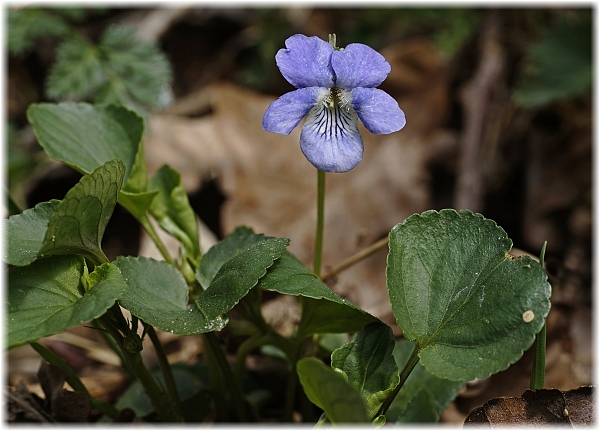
332	117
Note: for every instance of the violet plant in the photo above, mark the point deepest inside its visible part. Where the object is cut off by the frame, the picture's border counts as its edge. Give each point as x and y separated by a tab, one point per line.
466	309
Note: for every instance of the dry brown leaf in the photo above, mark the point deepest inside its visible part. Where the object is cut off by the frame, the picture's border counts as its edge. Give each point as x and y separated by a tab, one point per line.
105	383
282	313
23	406
65	406
538	408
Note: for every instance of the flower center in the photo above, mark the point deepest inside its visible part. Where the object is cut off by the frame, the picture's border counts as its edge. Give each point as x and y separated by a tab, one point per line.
338	98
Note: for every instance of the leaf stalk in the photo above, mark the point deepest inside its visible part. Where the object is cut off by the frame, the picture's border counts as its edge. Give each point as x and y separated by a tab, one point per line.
410	365
538	369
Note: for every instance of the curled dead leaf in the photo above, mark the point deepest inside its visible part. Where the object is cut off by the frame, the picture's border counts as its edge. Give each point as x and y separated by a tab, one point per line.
538	408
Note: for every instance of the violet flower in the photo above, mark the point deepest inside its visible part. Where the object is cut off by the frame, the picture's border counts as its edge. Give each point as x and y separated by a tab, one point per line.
334	87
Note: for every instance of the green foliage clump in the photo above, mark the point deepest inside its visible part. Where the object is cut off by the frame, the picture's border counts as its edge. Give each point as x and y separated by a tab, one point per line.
560	64
28	24
119	69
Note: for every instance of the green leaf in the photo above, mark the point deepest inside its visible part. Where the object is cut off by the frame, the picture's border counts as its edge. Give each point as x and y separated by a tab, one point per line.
471	309
25	25
171	208
137	182
78	222
239	240
329	390
329	315
77	72
139	72
324	311
47	297
85	136
289	276
560	65
25	233
157	294
238	275
368	364
137	203
423	397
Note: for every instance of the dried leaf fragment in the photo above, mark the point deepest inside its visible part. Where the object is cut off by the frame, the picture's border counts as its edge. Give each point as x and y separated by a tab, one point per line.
65	406
538	408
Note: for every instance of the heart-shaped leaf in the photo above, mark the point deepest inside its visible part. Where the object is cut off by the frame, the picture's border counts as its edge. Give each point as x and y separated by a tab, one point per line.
330	391
368	364
171	208
471	309
323	311
78	222
25	233
423	397
158	294
239	240
86	136
48	297
238	275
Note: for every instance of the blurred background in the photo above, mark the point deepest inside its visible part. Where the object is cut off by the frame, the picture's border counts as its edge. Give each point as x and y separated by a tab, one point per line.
499	121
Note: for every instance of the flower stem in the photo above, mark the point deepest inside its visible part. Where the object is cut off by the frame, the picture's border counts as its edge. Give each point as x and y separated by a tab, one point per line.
539	360
227	380
134	362
320	221
166	371
290	395
410	365
110	341
294	355
159	399
149	228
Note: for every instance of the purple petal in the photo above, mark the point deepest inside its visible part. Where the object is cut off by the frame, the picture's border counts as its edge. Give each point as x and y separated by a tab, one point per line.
330	139
378	111
286	112
358	65
305	62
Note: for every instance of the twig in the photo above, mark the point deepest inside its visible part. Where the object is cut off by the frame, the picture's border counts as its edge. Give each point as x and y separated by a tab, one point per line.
476	97
27	407
158	21
364	253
